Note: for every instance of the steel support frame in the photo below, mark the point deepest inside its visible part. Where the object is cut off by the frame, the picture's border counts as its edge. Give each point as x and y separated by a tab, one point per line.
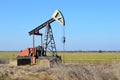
49	44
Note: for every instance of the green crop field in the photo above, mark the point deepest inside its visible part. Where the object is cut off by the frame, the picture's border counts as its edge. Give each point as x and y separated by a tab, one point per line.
90	57
8	55
76	56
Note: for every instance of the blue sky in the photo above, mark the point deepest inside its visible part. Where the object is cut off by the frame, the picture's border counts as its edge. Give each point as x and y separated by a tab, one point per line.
90	24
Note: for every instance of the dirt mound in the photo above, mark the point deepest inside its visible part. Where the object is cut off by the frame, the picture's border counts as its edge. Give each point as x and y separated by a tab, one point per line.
70	71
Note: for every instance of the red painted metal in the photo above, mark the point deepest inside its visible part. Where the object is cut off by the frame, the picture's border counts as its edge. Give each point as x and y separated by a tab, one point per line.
24	52
29	52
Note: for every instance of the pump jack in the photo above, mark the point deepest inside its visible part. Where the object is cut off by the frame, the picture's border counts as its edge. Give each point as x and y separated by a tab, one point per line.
29	55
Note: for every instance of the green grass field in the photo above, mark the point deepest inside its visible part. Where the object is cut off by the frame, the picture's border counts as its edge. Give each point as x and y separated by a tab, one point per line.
90	57
8	55
76	57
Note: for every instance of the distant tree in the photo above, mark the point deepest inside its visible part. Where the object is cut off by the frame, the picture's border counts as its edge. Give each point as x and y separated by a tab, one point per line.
100	51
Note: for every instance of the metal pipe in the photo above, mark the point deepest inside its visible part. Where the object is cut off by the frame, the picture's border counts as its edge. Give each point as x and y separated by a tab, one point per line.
33	41
41	45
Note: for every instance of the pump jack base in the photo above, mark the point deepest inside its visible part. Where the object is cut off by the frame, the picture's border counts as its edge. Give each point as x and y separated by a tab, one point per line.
50	61
43	61
26	60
